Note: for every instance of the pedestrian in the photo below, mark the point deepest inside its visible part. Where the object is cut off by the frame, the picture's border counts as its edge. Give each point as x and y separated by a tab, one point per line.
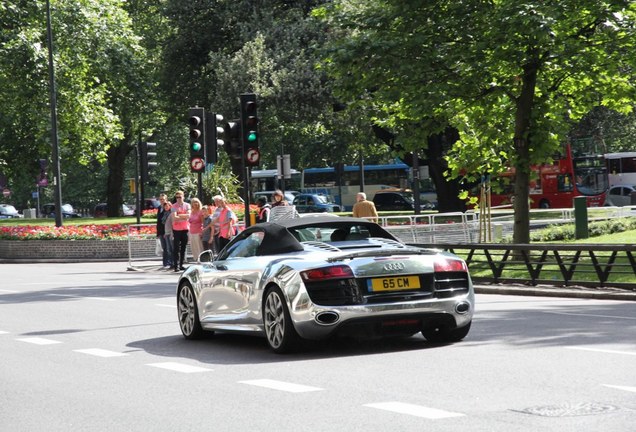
196	228
215	223
364	208
168	217
227	221
180	228
207	230
278	199
161	231
263	210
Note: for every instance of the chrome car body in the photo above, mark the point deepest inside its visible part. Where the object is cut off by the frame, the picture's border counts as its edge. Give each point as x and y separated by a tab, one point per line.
311	278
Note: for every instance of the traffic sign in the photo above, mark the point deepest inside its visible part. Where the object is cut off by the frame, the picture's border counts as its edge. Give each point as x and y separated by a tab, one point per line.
197	164
252	156
6	192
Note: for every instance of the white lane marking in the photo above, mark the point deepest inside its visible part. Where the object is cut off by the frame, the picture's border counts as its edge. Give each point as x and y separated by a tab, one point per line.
100	352
281	385
166	305
4	332
7	291
39	341
179	367
82	297
591	315
414	410
607	351
629	389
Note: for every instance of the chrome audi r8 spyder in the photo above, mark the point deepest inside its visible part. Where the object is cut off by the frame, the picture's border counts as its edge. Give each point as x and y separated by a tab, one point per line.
313	278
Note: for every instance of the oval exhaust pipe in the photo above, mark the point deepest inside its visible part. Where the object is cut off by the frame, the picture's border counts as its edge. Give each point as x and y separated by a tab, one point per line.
462	308
327	318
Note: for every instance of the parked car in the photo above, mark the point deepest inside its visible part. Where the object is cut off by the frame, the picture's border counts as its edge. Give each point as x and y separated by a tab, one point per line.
7	211
315	203
48	210
398	199
150	204
620	195
289	195
101	210
318	277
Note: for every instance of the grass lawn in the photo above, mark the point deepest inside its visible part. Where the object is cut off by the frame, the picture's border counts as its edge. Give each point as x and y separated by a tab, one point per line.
621	271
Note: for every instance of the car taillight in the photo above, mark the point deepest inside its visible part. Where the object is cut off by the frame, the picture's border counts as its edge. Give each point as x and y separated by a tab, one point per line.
332	272
450	265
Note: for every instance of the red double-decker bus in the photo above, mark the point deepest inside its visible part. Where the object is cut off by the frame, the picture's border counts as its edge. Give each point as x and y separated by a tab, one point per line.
578	170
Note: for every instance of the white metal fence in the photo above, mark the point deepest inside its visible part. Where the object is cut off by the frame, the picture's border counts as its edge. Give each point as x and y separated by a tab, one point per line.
444	228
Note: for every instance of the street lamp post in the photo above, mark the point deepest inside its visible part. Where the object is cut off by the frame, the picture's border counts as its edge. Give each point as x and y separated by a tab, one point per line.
57	181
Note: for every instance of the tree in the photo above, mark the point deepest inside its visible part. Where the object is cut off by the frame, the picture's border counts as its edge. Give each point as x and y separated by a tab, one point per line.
269	48
510	76
104	82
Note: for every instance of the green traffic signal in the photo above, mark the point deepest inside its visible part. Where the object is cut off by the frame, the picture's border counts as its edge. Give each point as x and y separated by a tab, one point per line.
251	136
195	146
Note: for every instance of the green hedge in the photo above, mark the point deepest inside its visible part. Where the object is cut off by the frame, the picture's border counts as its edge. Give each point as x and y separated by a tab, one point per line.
595	229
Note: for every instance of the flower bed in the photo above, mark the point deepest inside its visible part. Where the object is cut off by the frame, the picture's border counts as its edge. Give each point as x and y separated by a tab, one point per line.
69	232
81	242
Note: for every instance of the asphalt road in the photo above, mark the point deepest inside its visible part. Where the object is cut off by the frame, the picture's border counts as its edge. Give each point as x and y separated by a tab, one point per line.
92	347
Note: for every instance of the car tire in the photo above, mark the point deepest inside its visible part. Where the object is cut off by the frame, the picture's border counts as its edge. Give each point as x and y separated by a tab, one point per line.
188	313
279	329
445	335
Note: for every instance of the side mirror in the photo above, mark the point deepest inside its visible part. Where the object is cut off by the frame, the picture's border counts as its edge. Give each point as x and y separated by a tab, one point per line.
206	256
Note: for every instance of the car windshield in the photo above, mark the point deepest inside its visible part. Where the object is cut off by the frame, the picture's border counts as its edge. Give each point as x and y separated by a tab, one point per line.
408	196
67	208
337	232
324	199
8	209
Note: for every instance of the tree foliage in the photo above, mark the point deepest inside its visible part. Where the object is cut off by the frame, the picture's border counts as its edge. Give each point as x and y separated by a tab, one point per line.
511	79
269	48
103	84
511	76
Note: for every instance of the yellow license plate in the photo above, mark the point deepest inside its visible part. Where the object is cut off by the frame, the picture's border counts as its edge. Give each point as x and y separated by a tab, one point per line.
394	283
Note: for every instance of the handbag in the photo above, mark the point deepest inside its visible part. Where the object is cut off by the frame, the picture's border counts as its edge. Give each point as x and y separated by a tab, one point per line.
158	248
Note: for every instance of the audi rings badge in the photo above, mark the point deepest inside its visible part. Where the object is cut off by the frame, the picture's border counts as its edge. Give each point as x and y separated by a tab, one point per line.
393	266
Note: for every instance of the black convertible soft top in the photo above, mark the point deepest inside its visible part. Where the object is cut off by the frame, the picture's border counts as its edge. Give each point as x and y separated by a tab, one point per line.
279	235
277	240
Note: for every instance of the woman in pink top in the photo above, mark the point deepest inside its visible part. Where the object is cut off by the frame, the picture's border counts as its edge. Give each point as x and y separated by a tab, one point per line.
180	226
196	228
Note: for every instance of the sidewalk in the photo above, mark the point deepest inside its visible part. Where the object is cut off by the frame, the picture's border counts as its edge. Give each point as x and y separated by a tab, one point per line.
603	293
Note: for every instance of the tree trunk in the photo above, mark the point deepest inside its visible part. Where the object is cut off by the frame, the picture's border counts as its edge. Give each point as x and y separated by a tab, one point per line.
116	163
447	189
524	105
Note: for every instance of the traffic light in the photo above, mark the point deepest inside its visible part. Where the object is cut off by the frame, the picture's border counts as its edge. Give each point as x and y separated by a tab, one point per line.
216	132
232	136
43	180
147	163
249	129
196	120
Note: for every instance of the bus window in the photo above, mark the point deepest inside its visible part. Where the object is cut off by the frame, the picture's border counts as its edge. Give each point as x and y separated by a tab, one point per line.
564	183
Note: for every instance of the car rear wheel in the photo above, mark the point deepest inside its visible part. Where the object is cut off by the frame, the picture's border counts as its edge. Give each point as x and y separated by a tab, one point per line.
444	334
280	332
188	313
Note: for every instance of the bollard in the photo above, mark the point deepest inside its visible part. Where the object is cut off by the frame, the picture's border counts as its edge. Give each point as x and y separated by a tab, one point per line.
580	217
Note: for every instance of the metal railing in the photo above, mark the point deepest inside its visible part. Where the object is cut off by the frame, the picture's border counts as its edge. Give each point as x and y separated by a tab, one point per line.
592	265
465	228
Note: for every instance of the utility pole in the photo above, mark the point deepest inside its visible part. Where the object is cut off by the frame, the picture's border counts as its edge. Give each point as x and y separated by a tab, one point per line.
57	178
